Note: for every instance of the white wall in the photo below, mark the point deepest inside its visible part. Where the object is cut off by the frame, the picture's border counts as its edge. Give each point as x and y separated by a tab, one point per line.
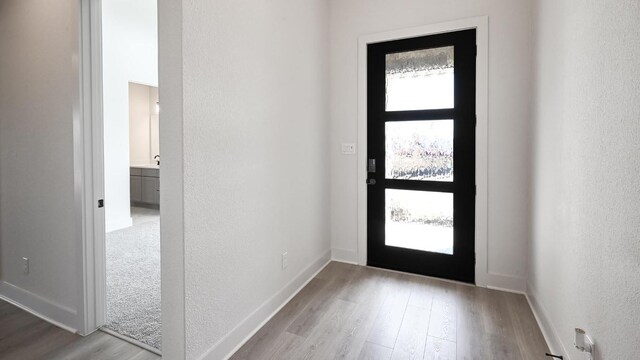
130	54
509	104
39	93
143	124
255	161
154	124
139	116
585	253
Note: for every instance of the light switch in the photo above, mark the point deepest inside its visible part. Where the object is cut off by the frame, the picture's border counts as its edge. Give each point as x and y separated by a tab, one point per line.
348	148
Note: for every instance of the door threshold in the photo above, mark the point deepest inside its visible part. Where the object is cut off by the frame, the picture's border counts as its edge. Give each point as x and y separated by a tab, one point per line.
131	340
423	276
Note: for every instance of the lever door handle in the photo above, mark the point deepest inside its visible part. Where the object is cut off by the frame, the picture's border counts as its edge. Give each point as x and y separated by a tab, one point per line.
371	181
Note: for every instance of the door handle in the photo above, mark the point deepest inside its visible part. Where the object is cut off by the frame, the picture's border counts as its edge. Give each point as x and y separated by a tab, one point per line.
371	181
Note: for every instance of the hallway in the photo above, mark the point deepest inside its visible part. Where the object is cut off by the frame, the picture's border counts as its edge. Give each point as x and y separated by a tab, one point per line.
346	312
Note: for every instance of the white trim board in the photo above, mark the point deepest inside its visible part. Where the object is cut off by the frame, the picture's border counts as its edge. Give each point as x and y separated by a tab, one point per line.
88	169
49	311
345	256
238	336
506	283
481	24
545	324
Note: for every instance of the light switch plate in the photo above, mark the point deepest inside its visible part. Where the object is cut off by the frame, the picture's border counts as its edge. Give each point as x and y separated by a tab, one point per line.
348	148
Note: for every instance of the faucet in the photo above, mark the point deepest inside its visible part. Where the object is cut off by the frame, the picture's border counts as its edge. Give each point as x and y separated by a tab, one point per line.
157	159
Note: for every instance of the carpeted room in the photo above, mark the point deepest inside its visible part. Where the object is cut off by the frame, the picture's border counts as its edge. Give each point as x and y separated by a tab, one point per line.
133	279
131	170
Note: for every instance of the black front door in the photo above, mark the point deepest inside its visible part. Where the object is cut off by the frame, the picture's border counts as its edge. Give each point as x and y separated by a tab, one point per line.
421	155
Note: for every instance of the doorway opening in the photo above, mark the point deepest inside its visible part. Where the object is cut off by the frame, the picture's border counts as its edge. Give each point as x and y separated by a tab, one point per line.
131	171
421	154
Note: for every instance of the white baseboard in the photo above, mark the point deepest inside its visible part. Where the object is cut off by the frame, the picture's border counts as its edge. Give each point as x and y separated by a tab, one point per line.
506	283
229	344
493	280
546	325
56	314
344	255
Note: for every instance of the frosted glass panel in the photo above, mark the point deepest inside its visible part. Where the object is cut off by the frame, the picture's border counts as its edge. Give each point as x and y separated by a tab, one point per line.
419	220
420	80
419	150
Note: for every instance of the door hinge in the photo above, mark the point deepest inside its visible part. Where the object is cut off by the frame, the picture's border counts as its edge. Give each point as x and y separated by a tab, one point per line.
474	258
476	50
475	120
100	203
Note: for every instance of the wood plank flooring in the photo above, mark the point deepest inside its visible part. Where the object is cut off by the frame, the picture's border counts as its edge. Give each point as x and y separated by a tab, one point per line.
345	312
354	312
26	337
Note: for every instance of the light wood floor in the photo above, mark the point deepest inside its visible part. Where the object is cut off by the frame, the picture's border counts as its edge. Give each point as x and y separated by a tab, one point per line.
26	337
346	312
353	312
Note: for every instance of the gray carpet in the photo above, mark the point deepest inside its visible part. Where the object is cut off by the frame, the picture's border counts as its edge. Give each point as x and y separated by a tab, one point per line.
133	282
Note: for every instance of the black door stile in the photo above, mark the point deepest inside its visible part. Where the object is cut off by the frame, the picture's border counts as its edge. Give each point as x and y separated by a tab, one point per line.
461	264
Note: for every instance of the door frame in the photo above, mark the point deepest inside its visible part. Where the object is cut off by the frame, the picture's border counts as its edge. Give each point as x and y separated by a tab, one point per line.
89	174
90	185
481	24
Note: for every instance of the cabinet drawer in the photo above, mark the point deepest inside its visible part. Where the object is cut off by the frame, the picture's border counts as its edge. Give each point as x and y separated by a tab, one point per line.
135	171
151	172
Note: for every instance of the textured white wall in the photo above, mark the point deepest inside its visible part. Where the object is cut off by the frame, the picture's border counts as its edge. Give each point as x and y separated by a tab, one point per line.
509	105
38	91
130	54
585	253
255	155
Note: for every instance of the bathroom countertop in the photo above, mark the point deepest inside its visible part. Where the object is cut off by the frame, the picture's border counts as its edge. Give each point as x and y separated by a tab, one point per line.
146	166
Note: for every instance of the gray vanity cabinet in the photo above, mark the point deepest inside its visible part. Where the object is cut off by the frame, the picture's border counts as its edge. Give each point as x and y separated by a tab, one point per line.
150	193
135	188
145	186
